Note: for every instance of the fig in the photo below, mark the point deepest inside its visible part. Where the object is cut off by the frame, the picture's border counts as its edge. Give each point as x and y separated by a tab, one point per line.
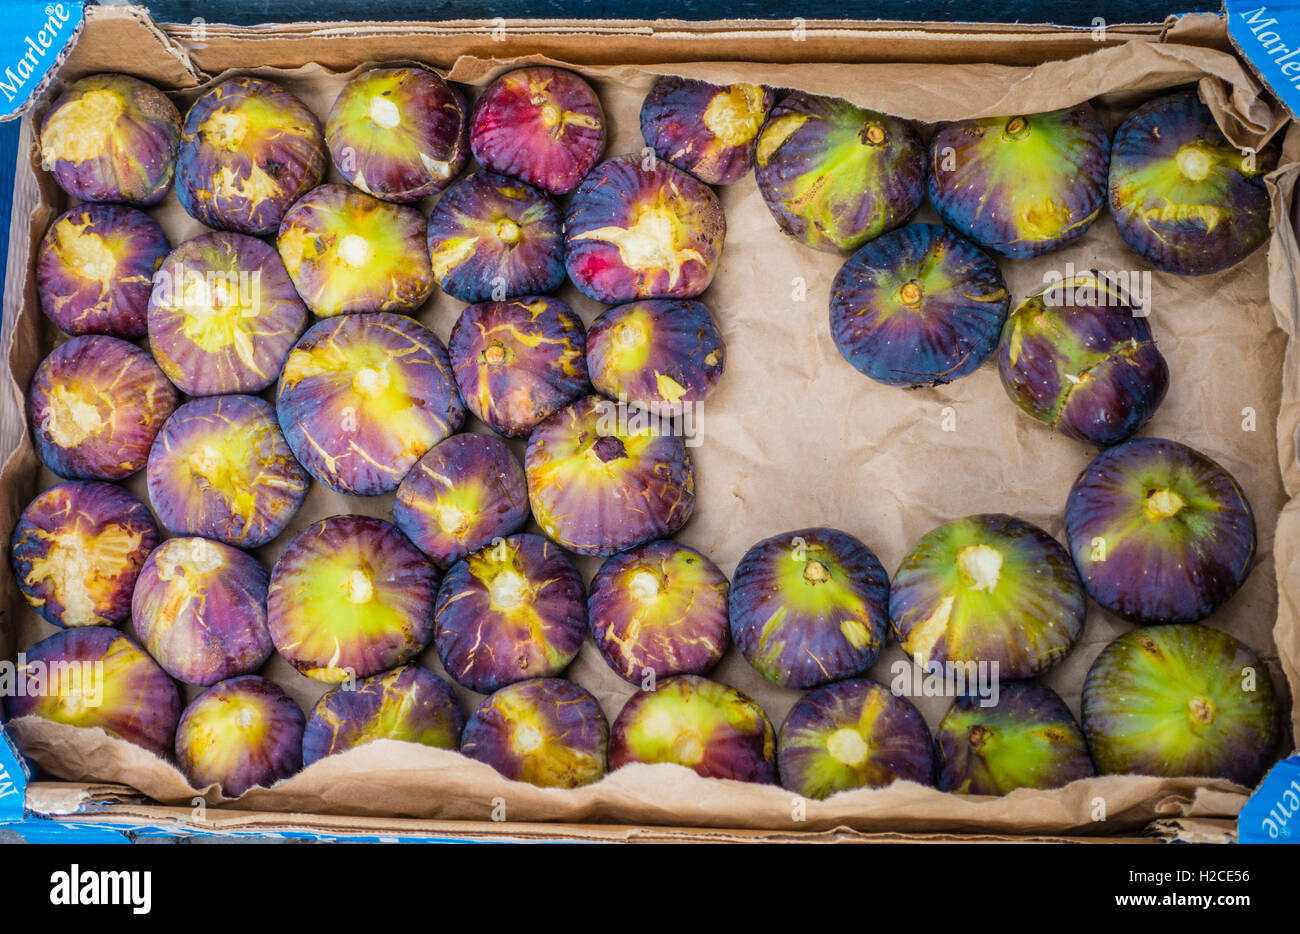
661	354
398	133
223	315
348	252
704	129
705	726
1180	700
1021	185
635	231
77	550
97	677
220	468
918	306
541	125
94	269
95	406
988	589
1160	533
350	597
601	480
545	731
240	734
1028	739
810	607
199	607
112	137
250	149
410	704
852	734
465	492
519	362
512	611
1079	357
660	609
835	176
491	237
363	397
1182	196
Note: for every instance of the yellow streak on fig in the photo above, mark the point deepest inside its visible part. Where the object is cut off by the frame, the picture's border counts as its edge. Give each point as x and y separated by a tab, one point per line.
222	467
257	186
451	254
384	112
509	590
82	129
225	129
847	746
735	114
921	640
83	249
856	633
776	133
360	589
649	243
71	416
215	318
981	565
183	559
669	389
81	568
1163	504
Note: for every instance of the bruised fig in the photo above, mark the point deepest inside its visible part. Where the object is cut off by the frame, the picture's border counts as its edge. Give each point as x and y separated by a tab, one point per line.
705	129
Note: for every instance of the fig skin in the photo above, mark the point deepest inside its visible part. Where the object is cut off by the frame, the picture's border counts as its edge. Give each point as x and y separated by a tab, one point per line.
988	588
600	481
708	727
660	354
349	252
835	176
77	551
398	133
491	237
130	698
410	704
1183	197
239	734
1028	739
1022	185
918	306
809	607
350	596
701	128
541	125
94	268
361	398
661	609
519	362
1160	533
112	137
95	407
545	731
635	232
250	149
509	612
199	607
1179	700
1090	370
221	469
223	315
853	734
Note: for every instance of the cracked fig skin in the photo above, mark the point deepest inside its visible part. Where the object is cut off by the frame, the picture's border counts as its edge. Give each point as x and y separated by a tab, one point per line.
988	588
704	129
545	731
809	607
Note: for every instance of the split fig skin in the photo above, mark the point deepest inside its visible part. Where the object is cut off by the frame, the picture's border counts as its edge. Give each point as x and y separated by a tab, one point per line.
701	128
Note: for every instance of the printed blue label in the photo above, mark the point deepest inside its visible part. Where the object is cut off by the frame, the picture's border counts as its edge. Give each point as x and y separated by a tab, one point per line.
1268	34
13	780
34	36
1272	815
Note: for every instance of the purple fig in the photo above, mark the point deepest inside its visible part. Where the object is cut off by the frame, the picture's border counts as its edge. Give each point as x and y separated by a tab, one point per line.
705	129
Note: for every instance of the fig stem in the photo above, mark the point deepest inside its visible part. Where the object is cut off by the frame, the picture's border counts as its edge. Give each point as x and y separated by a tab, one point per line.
1202	710
981	565
910	293
1163	504
1017	127
815	572
847	746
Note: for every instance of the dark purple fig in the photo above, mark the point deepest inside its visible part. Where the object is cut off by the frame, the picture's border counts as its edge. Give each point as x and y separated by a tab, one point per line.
545	731
220	468
223	315
835	176
112	138
853	734
511	611
95	406
1182	196
601	478
1180	700
363	397
1021	185
918	306
541	125
988	589
94	269
636	230
659	609
705	129
1026	739
77	551
1159	532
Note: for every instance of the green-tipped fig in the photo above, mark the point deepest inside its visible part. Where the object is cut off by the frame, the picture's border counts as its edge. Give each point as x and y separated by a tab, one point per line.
705	129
